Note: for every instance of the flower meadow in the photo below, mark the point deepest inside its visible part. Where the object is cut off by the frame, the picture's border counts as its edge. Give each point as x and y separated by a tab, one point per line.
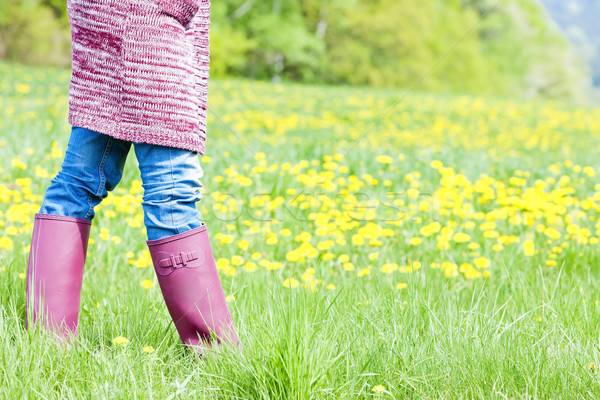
371	244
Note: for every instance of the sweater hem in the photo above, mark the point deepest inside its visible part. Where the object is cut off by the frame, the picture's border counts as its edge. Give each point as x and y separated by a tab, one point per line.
137	136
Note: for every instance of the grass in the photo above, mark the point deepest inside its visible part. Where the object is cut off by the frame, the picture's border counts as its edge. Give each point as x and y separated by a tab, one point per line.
451	254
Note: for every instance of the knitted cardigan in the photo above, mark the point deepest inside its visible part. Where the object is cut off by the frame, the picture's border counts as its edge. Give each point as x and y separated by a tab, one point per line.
140	70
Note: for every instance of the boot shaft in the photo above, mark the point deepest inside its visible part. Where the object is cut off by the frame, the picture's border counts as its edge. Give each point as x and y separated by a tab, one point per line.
190	284
55	272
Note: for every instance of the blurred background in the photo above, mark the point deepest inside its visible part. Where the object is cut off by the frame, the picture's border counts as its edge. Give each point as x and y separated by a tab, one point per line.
521	48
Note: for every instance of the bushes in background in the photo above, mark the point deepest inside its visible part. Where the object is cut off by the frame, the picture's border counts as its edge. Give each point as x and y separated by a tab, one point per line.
474	46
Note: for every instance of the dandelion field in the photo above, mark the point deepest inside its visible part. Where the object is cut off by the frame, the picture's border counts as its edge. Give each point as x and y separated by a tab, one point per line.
447	250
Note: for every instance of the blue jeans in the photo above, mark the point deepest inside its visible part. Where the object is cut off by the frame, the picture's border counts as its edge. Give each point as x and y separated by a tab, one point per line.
93	166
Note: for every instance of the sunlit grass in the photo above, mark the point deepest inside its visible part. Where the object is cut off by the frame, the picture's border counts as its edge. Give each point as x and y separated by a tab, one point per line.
448	250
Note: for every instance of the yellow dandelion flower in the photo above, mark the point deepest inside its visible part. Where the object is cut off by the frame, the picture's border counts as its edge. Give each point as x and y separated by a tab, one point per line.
491	234
222	263
55	151
383	159
6	243
293	256
18	164
237	260
230	270
120	341
325	245
486	226
348	266
552	233
291	283
144	260
22	88
224	239
430	229
148	349
358	240
469	225
401	286
529	247
481	262
378	388
303	237
308	274
244	180
147	284
436	164
23	182
250	266
271	239
415	241
389	268
104	234
40	172
461	237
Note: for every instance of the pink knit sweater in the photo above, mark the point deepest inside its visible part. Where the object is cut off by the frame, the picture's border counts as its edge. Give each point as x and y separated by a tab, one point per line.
140	69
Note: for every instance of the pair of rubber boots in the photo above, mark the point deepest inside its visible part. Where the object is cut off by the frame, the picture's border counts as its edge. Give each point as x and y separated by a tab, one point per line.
184	265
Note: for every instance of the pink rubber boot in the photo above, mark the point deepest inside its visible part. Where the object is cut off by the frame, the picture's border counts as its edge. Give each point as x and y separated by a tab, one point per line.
190	284
55	272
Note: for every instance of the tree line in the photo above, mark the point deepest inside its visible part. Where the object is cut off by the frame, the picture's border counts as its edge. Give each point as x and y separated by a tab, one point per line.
477	46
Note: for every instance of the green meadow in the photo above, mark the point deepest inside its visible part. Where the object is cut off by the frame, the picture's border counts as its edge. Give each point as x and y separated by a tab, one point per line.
372	243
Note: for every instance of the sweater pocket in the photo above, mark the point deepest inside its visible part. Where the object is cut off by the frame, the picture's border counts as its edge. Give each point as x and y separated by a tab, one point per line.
182	10
159	91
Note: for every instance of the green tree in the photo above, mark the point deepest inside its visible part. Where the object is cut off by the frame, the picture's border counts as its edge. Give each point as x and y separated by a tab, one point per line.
31	32
284	46
480	46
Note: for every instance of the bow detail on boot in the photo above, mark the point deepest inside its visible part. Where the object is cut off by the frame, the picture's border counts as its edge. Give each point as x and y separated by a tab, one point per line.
170	262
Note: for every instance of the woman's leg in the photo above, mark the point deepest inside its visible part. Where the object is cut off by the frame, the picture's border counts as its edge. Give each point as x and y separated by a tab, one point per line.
93	165
179	245
170	178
